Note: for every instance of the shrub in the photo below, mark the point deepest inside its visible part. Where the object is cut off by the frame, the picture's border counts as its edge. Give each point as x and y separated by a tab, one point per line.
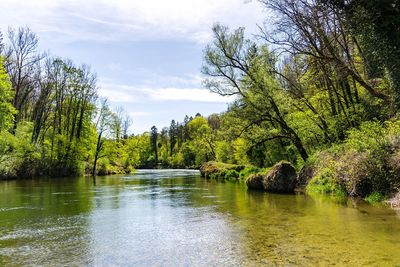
367	162
375	197
218	170
325	182
247	171
231	175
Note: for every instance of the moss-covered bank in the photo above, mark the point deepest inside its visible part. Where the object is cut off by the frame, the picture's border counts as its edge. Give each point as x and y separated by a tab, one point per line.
219	170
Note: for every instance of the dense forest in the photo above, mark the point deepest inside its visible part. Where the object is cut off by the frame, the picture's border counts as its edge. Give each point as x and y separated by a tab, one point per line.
319	86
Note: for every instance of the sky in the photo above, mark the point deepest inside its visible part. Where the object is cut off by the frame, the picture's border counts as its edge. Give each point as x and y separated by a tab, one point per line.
147	54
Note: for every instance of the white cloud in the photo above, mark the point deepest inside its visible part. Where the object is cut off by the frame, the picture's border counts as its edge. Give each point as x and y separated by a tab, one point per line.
188	94
139	114
104	20
130	94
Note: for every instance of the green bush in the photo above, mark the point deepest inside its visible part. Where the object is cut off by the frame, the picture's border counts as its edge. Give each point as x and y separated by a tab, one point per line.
375	197
366	162
219	170
326	183
247	171
231	175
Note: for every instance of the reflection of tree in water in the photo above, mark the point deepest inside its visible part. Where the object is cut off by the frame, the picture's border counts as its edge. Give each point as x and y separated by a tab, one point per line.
297	229
48	216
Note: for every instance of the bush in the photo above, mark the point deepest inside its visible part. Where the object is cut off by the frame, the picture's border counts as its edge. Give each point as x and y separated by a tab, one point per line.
326	183
367	163
375	197
218	170
247	171
231	175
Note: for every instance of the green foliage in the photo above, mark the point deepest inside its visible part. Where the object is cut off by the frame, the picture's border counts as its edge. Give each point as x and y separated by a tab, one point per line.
325	182
231	175
219	170
375	197
223	151
247	171
7	110
365	163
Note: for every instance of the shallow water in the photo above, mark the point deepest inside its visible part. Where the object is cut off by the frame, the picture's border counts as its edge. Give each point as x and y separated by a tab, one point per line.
176	218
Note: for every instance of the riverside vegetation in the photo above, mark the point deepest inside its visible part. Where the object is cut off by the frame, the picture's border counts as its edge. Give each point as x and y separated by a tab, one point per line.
318	87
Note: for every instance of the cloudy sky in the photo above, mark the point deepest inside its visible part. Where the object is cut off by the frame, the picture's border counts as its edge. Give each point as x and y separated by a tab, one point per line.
147	53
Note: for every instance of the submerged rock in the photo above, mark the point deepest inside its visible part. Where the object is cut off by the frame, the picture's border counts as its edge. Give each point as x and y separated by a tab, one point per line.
281	178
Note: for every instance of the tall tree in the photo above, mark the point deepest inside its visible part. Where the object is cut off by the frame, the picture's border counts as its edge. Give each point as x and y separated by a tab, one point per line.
236	66
318	31
173	131
376	26
103	127
21	63
154	142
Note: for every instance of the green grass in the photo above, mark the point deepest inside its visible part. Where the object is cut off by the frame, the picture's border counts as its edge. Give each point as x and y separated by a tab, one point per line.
324	183
374	198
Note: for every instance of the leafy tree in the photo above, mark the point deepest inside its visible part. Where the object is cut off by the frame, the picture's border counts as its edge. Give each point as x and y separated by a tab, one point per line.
154	142
7	110
104	125
236	66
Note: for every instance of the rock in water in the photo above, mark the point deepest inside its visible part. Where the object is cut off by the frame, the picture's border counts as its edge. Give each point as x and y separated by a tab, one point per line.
255	181
280	179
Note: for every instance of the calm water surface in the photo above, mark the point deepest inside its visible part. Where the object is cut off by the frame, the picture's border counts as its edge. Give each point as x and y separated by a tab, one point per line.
175	218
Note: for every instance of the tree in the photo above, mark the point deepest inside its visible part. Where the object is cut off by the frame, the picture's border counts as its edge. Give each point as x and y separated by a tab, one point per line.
154	142
103	127
236	66
21	65
317	30
376	26
126	123
173	131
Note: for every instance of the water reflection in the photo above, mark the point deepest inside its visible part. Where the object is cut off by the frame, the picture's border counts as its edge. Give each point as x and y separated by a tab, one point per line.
176	218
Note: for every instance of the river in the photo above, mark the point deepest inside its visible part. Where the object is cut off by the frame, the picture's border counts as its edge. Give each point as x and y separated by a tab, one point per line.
176	218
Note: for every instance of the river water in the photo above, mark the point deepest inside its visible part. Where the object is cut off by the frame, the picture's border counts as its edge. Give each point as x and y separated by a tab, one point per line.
176	218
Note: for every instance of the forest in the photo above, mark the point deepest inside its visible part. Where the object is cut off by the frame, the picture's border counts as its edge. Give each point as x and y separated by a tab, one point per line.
318	86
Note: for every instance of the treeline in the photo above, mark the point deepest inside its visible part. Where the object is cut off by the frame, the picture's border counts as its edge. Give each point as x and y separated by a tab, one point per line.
49	110
193	142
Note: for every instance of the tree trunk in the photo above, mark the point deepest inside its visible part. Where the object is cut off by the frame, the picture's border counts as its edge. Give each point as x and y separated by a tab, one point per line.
96	155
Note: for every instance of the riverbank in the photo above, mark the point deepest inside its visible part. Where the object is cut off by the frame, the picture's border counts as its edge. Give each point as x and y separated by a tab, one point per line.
309	180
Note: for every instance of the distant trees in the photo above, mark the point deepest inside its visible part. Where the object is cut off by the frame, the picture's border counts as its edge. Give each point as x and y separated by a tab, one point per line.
173	136
51	102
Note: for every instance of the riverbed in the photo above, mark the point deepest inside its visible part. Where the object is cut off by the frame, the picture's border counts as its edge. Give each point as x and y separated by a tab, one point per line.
176	218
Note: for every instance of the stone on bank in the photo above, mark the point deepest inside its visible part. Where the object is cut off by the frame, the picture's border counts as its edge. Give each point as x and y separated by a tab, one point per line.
282	178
